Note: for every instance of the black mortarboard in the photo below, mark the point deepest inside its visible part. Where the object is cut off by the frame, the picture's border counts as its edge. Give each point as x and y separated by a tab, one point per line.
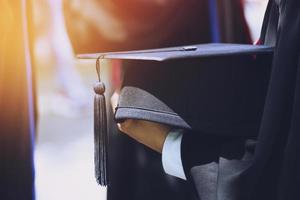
215	89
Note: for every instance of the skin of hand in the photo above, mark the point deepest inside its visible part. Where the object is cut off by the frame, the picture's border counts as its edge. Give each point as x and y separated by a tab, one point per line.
151	134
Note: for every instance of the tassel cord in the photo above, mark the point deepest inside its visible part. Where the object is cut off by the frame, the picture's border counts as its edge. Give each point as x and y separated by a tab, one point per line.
100	130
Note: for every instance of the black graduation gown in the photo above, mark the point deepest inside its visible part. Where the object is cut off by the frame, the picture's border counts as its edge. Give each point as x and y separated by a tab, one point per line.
16	109
266	168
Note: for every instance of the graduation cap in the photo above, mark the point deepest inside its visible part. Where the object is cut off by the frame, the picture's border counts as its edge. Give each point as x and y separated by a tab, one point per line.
215	89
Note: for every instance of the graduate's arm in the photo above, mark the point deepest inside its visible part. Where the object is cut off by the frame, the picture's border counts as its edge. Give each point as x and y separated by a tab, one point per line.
158	137
180	152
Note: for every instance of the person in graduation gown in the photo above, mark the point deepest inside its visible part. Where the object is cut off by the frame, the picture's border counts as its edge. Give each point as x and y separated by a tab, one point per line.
231	168
135	172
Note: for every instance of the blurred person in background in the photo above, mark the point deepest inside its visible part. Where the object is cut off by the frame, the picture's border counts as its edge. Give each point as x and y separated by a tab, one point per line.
53	44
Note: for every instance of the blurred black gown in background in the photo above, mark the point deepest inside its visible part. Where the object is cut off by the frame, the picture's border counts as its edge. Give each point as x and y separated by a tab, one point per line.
17	117
135	171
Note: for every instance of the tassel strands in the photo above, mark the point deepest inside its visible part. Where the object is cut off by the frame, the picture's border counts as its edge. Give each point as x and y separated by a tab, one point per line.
100	131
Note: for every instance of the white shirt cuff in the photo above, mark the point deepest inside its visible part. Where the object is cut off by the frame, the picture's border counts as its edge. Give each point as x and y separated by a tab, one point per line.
171	154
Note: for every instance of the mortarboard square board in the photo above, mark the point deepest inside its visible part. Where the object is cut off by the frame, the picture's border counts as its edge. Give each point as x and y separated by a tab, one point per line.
216	89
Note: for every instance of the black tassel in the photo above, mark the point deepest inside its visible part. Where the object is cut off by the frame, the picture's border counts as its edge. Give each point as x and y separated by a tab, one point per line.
100	131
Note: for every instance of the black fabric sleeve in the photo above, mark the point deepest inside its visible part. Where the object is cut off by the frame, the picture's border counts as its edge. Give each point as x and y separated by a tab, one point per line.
198	149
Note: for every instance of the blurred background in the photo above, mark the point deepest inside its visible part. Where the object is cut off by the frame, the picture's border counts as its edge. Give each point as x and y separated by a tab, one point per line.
64	149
